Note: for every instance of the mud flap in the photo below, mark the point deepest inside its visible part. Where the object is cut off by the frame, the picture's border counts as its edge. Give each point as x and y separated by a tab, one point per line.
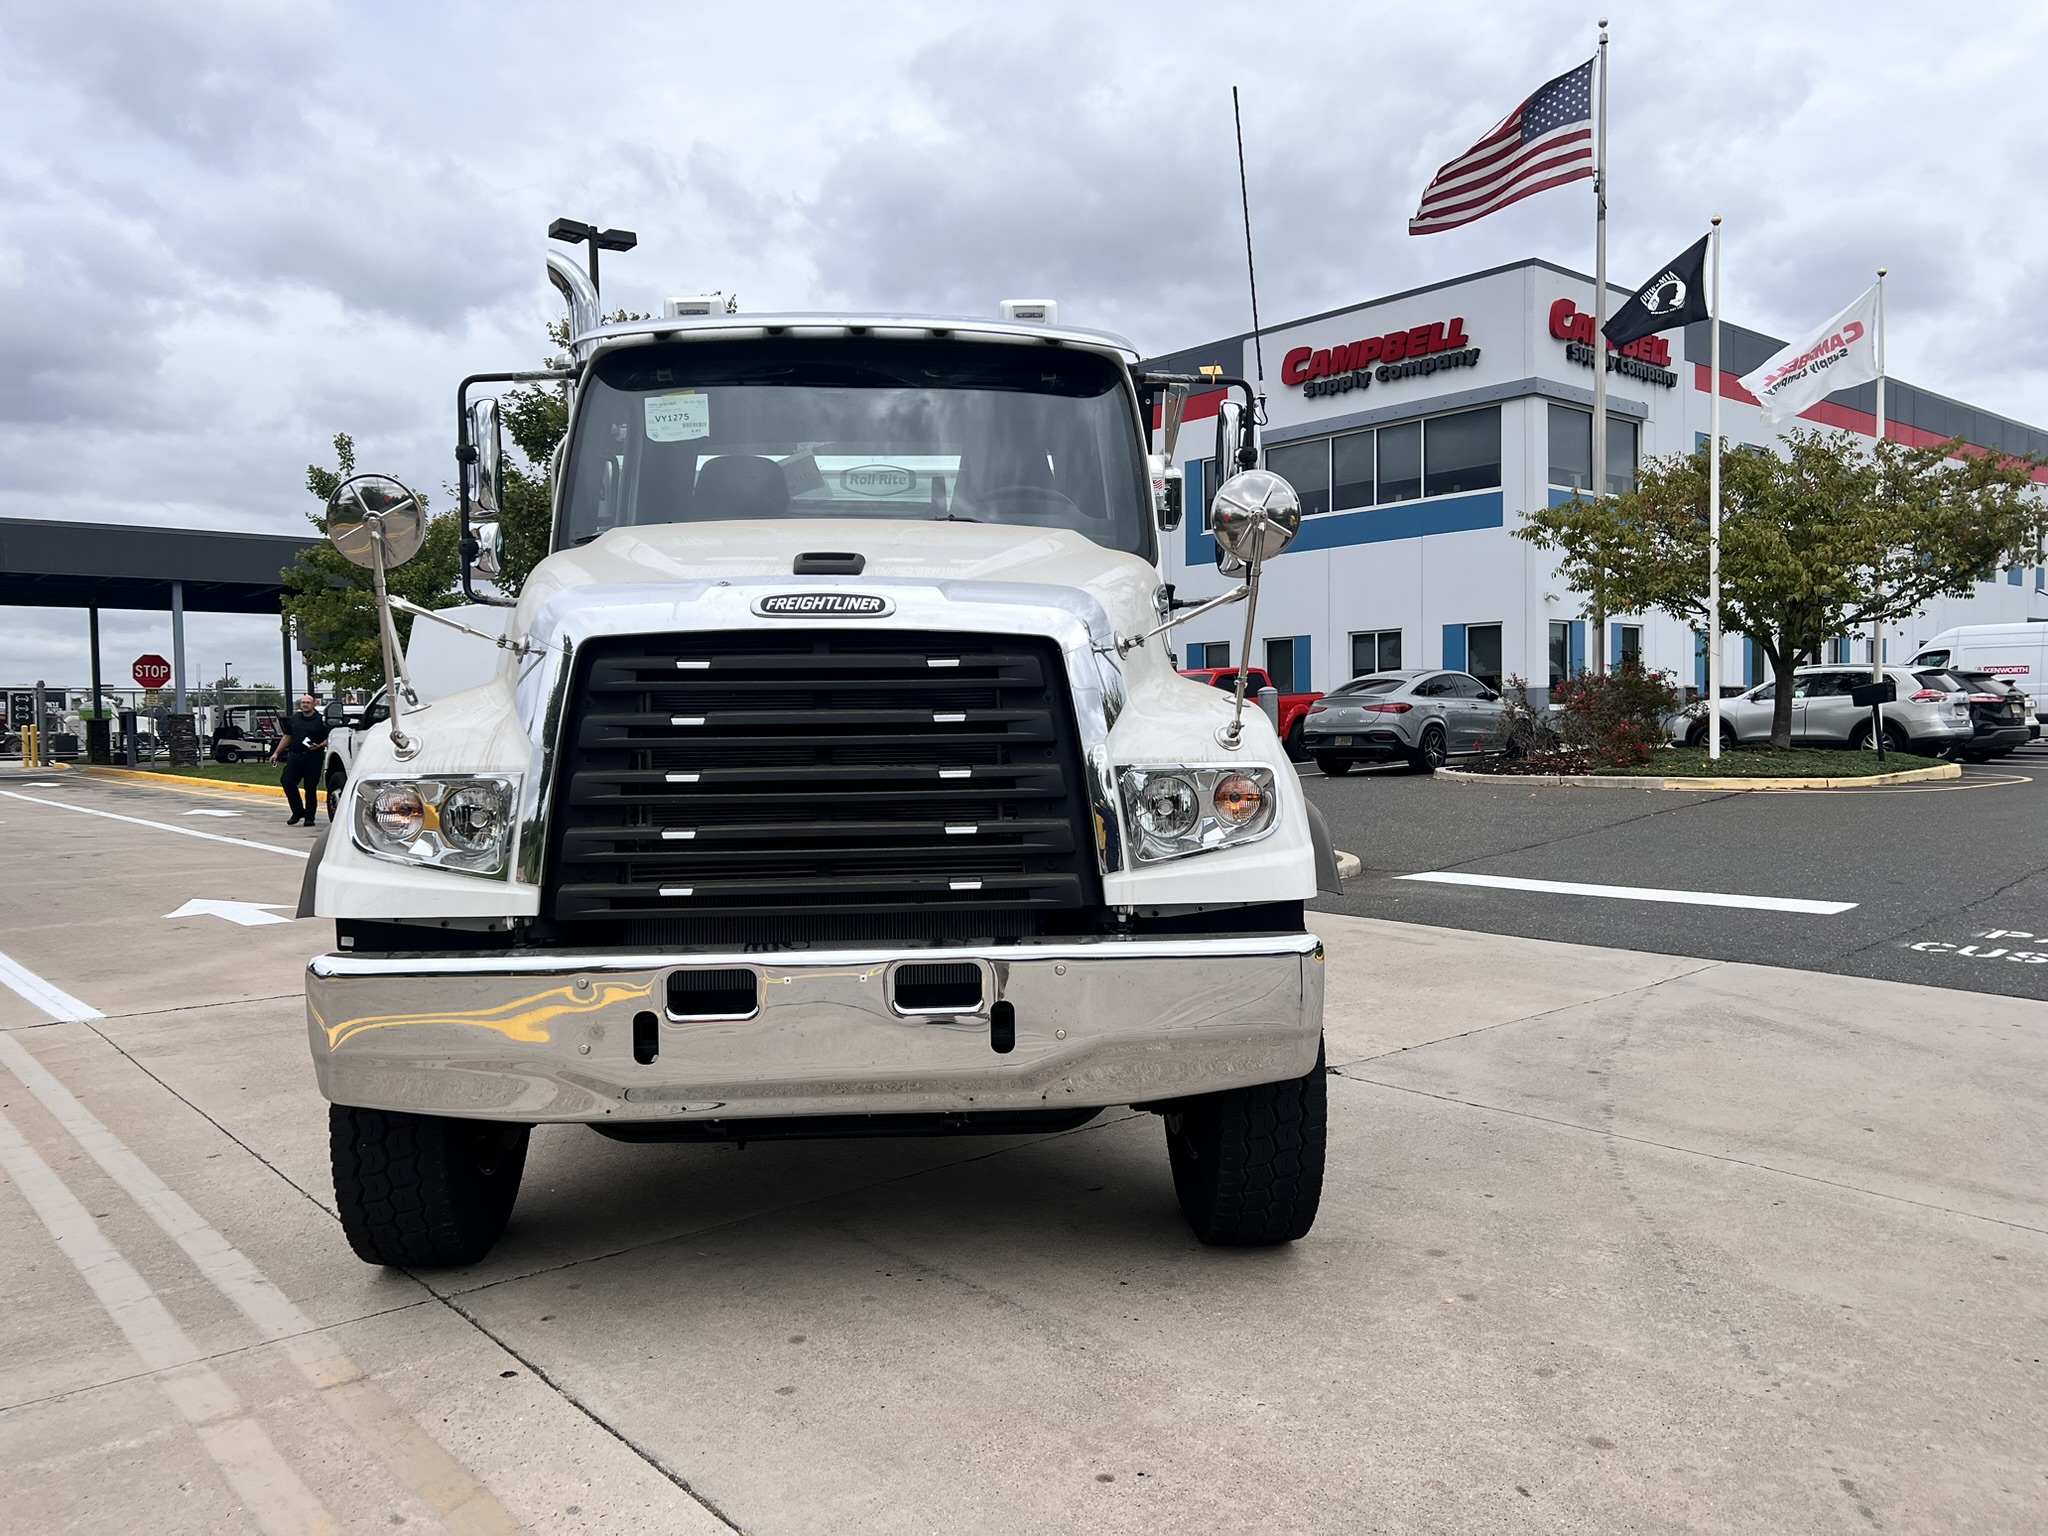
1328	881
309	887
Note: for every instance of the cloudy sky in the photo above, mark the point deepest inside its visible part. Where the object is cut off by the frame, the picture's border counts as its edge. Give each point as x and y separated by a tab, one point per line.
233	228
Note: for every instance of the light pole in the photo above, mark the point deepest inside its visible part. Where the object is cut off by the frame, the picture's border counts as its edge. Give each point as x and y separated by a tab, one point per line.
576	232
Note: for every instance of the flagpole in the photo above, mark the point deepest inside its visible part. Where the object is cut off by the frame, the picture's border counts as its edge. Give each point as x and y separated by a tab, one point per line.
1599	468
1714	513
1877	625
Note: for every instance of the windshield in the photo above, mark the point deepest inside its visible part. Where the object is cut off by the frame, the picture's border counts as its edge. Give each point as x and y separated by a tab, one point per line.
941	430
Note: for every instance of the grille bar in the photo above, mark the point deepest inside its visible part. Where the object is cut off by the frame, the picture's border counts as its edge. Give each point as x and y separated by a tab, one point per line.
826	774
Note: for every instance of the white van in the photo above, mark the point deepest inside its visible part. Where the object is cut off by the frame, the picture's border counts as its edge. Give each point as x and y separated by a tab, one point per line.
2016	652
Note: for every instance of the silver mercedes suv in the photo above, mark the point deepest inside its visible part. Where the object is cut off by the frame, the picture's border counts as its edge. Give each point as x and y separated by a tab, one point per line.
1423	716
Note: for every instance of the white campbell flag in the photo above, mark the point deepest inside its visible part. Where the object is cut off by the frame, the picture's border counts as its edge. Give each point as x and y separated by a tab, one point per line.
1841	353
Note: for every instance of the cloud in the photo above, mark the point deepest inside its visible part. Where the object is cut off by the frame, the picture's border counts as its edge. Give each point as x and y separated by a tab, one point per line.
235	227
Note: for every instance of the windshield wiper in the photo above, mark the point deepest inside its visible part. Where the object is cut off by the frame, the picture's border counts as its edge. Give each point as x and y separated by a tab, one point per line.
952	517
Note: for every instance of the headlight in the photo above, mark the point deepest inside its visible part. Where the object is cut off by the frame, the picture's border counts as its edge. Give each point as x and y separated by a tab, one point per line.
1174	811
460	821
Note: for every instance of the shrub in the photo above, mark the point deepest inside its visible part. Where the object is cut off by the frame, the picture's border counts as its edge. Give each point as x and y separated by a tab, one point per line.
1618	716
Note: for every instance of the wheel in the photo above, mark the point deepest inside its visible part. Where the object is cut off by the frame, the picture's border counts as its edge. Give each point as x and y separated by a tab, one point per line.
1248	1162
419	1191
337	777
1296	752
1335	767
1434	752
1895	738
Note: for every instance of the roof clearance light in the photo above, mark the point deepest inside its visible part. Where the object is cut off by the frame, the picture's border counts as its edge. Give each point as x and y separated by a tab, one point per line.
1038	311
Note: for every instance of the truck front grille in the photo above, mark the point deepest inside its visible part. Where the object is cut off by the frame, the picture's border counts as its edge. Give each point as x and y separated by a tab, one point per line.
753	787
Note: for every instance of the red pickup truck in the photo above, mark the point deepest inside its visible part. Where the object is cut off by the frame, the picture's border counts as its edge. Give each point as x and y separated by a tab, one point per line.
1293	706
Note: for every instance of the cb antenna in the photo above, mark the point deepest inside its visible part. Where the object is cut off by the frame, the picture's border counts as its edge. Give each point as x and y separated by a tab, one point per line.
1250	271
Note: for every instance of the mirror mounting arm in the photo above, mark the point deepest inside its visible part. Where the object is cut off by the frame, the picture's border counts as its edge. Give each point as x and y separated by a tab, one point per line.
1130	643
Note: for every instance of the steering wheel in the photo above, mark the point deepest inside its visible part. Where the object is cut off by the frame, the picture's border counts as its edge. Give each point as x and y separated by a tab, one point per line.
1057	507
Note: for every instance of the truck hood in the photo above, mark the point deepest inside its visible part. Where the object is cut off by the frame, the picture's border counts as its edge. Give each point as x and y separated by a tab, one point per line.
916	550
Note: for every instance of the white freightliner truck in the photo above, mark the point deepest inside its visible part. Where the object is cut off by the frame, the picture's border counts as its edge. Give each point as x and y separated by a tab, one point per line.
830	778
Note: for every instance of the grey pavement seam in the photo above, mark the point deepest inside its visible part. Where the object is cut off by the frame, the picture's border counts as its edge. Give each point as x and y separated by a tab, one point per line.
1530	1018
1716	1157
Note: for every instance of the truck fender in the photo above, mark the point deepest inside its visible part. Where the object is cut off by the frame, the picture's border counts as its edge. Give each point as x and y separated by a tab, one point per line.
309	887
1328	881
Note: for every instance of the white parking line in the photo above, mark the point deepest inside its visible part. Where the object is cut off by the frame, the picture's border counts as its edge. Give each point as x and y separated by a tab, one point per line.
162	826
38	993
260	1477
465	1506
1638	893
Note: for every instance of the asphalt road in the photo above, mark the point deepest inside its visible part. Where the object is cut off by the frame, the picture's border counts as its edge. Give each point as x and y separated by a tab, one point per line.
1949	880
1610	1241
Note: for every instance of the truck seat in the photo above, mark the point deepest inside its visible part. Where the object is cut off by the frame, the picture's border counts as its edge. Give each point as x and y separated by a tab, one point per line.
741	485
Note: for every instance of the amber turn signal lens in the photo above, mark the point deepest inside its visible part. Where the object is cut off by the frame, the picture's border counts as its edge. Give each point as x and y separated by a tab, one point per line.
1237	799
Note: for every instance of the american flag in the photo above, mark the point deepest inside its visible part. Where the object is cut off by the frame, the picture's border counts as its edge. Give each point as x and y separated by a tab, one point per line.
1545	142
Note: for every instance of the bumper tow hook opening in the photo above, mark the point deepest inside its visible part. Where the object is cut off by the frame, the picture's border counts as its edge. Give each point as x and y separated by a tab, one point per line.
948	988
1002	1028
646	1038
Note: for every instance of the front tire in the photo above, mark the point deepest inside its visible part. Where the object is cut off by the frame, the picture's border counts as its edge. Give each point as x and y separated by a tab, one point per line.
1248	1162
420	1191
1334	767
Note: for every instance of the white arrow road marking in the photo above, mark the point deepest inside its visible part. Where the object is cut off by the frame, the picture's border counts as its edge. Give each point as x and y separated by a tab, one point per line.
46	786
213	813
162	826
250	914
1639	893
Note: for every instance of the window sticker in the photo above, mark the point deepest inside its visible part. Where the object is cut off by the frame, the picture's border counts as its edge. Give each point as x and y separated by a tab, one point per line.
679	417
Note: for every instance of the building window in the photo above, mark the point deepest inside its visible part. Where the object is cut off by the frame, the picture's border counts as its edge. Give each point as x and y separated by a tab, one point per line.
1482	653
1838	650
1213	653
1400	476
1210	481
1560	652
1375	650
1351	468
1287	663
1306	467
1462	452
1571	449
1628	646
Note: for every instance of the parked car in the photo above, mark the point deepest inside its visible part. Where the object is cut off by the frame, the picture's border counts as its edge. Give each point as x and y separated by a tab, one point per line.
344	736
1930	715
1294	707
2017	653
1423	716
1998	714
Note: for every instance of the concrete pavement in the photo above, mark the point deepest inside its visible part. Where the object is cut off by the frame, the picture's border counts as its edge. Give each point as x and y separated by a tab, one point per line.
1612	1240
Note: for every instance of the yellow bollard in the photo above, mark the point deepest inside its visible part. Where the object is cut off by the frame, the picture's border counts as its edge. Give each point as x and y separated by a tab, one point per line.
31	755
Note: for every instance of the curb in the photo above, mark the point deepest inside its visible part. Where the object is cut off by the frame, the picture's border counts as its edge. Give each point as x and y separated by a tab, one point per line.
1349	865
143	776
1644	781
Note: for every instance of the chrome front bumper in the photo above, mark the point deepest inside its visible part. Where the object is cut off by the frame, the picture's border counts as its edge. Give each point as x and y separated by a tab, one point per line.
551	1037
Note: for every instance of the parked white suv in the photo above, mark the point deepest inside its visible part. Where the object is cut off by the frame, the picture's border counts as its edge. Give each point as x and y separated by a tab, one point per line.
1928	717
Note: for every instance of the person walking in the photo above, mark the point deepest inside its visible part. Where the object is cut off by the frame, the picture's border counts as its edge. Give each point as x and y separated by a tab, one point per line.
302	744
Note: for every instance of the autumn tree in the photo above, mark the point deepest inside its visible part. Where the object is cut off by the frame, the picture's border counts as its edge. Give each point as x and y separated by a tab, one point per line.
333	601
1819	538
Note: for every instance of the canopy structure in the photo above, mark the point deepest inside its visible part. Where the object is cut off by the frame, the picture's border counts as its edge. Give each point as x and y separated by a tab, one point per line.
50	564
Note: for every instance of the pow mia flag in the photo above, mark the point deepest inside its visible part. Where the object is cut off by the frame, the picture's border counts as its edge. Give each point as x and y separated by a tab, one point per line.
1676	296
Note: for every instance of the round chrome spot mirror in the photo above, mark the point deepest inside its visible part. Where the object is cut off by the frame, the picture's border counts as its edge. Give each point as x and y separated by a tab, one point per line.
367	510
1256	515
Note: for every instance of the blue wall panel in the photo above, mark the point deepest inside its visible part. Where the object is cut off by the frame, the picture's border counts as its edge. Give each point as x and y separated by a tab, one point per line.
1454	648
1402	520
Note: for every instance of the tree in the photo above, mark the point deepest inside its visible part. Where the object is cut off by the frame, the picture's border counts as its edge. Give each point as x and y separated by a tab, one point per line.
1816	540
333	601
232	690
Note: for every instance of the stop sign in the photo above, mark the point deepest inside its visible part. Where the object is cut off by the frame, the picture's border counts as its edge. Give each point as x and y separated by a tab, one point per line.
152	671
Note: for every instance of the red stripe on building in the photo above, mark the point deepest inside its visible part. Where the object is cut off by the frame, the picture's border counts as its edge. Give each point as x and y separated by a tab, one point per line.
1827	413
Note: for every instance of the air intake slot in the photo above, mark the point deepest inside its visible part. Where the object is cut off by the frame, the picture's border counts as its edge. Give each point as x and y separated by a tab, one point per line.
954	988
829	562
732	994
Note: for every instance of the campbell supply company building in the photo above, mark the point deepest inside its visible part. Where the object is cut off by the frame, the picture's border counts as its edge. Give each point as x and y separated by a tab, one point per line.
1420	428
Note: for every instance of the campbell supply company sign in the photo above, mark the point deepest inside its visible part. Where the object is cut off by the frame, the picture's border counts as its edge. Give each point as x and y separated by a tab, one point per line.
1648	359
1413	353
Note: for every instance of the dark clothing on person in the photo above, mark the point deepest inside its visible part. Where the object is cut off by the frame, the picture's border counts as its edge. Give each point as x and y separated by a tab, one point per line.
305	753
302	768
